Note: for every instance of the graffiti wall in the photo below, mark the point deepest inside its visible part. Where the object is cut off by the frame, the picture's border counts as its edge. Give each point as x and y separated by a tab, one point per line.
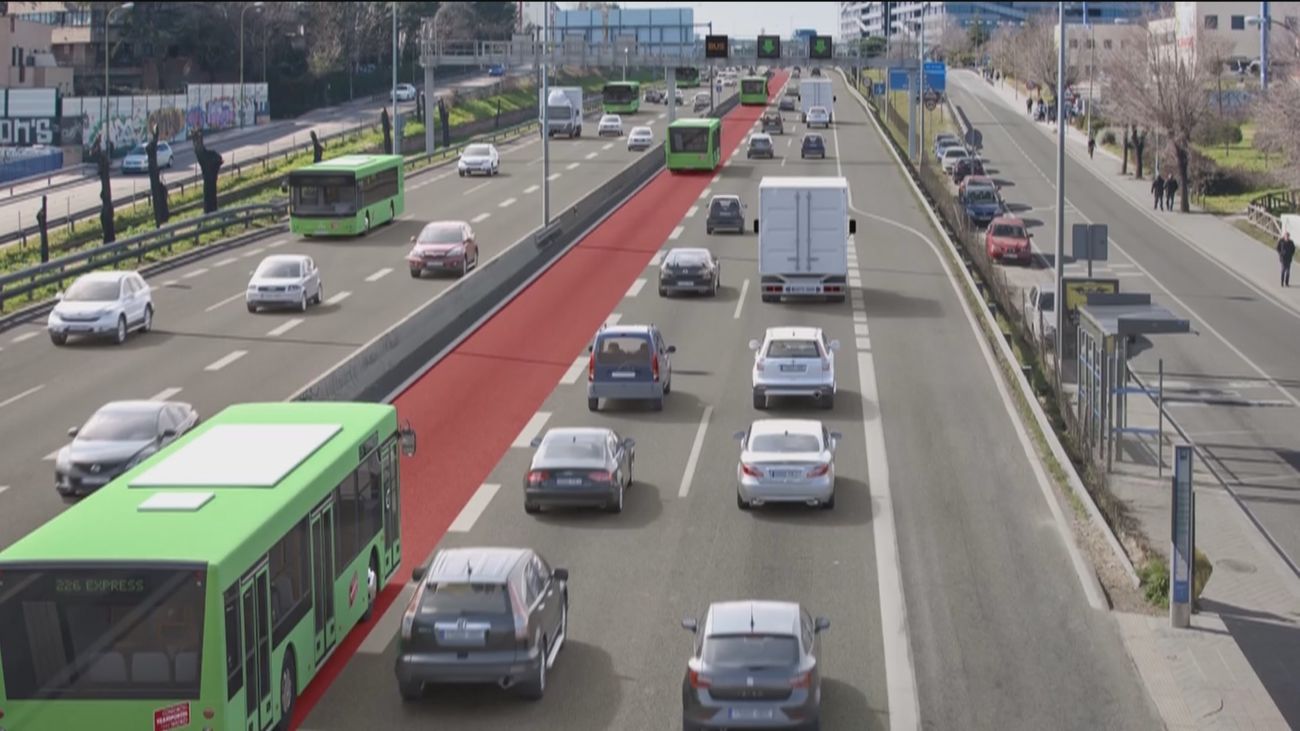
206	107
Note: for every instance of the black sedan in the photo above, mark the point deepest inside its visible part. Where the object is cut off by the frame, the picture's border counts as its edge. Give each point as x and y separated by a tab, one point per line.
120	435
579	467
813	146
690	270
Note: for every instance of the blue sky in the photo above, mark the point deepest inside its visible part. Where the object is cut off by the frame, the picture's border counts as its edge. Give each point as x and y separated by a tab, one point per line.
748	19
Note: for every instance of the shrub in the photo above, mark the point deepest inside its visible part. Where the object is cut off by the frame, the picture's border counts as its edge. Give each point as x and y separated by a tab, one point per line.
1108	137
1219	133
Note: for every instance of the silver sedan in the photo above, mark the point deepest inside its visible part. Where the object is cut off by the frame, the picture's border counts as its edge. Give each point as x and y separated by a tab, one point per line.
786	461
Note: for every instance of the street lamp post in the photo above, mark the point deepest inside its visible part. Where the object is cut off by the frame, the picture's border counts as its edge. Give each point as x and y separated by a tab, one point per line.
107	136
625	50
241	59
397	130
1060	187
1265	21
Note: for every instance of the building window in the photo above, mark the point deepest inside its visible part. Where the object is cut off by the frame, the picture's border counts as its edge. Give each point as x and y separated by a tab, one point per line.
1211	22
1106	44
1292	22
1239	22
1074	43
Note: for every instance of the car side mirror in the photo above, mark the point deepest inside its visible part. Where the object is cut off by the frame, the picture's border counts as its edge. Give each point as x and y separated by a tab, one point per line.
837	437
537	442
833	98
560	574
589	348
690	625
754	345
853	226
408	439
58	296
419	572
755	225
169	434
412	239
823	624
629	443
835	345
73	431
738	436
671	349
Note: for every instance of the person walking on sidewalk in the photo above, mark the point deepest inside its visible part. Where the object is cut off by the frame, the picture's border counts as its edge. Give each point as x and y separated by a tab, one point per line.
1286	252
1092	145
1171	188
1029	106
1158	190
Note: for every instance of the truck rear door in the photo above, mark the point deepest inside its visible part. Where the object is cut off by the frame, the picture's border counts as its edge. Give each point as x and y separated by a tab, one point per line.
826	240
779	251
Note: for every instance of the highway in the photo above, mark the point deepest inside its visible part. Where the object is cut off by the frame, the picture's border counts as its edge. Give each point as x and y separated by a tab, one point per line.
206	348
947	579
1236	375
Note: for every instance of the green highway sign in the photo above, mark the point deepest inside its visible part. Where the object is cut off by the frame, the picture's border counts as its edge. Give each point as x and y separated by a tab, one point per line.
769	46
820	48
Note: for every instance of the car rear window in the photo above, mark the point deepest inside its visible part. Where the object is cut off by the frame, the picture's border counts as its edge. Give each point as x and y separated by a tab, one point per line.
585	449
793	349
478	150
751	652
688	259
725	205
1009	231
465	598
621	349
441	234
785	443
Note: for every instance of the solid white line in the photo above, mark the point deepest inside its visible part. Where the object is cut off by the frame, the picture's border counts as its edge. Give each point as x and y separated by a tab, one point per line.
532	189
165	394
575	371
531	429
386	628
380	274
225	262
677	233
24	336
338	298
225	360
251	253
592	155
572	165
23	395
225	301
694	458
507	203
658	258
478	187
553	176
690	212
740	302
636	288
480	218
286	327
613	319
474	508
196	273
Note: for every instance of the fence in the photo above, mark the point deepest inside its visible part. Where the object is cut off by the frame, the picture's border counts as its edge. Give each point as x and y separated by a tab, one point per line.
32	162
1266	211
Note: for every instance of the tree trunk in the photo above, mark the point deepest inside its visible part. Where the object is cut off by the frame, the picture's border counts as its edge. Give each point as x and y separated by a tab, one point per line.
1139	145
1180	154
1123	166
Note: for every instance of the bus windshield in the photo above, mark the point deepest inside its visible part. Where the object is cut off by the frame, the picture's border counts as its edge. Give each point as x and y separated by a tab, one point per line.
95	632
618	93
688	139
322	195
753	86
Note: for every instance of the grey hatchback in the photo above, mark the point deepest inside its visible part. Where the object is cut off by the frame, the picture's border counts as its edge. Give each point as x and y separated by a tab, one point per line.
726	213
813	146
755	665
579	467
629	362
483	615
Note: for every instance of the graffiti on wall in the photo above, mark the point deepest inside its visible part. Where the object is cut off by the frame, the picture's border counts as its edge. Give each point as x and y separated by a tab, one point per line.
206	107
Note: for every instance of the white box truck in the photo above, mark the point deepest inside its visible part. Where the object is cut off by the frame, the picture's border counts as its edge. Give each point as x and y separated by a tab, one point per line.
564	110
803	229
816	92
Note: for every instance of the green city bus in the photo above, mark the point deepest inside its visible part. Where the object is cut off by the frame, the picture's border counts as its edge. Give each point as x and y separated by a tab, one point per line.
694	144
205	587
346	196
753	90
688	77
621	97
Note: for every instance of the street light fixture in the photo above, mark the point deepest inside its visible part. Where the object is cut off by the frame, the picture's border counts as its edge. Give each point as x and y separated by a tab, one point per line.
107	136
1265	22
241	58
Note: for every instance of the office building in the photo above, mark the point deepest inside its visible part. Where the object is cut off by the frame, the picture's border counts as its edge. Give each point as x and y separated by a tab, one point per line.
878	19
30	62
1193	22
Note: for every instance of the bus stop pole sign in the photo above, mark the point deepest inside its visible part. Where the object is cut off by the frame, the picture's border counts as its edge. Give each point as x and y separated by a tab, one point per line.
1183	536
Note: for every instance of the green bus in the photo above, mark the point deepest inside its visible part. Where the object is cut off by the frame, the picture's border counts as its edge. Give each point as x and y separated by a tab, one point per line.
688	77
621	97
205	587
753	90
694	144
347	195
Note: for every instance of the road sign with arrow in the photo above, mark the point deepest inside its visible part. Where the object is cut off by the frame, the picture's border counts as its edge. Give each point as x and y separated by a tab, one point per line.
769	46
820	47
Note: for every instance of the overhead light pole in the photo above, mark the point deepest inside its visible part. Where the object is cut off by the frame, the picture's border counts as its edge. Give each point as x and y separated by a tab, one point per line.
107	136
241	58
1060	185
1265	21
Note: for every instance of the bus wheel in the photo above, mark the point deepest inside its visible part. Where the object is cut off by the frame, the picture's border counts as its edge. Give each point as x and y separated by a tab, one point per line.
288	691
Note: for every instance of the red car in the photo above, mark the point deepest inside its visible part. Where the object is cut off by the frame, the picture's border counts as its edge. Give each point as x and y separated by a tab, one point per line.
1006	239
443	246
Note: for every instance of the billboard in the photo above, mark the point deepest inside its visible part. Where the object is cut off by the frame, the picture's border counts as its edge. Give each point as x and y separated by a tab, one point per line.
30	117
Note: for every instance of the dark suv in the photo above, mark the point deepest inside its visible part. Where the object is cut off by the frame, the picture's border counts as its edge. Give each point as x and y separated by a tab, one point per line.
772	123
726	213
629	362
813	146
483	615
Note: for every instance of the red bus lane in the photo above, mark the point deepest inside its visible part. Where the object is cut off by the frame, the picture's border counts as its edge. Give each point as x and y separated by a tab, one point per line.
472	404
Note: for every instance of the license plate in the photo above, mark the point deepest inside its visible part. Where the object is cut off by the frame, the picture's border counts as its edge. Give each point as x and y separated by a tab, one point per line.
802	288
686	283
624	374
569	481
461	636
786	474
750	714
792	369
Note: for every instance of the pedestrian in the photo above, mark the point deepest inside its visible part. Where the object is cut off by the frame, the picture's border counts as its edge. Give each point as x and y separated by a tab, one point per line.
1171	188
1158	190
1286	252
1029	106
1092	145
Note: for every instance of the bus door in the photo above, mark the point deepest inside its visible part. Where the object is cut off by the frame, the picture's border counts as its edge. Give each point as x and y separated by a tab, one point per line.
255	604
322	574
392	507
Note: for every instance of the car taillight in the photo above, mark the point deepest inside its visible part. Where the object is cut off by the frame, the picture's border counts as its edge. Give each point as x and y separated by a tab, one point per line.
591	368
802	680
408	617
699	681
750	470
654	366
759	363
819	470
600	476
826	363
536	477
521	617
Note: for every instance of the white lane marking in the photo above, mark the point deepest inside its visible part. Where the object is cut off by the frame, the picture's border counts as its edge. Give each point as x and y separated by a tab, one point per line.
165	394
338	298
507	203
3	488
606	146
478	187
286	327
690	212
381	273
169	283
386	628
860	328
658	258
19	397
727	164
636	288
613	319
1127	274
677	233
225	301
783	159
531	429
225	361
532	189
662	115
859	316
694	457
480	218
24	336
575	371
553	176
863	343
744	289
717	177
534	162
474	508
225	262
251	253
52	455
652	121
592	155
196	273
788	141
572	165
705	193
277	244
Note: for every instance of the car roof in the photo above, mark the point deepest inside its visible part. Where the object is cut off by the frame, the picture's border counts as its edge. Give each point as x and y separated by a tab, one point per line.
284	257
725	196
625	330
956	148
793	333
760	136
647	130
114	275
135	406
688	250
786	426
812	136
561	432
753	617
486	565
448	224
981	180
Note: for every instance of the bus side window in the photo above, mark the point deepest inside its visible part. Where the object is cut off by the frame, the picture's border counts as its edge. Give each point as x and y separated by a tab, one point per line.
234	655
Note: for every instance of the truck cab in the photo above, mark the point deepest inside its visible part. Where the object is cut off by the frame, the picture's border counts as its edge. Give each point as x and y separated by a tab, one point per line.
803	229
564	111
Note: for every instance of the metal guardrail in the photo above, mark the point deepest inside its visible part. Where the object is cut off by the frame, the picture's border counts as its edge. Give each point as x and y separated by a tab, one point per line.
27	282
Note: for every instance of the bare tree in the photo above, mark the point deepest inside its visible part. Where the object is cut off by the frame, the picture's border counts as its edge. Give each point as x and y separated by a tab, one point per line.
1005	51
954	41
1277	126
1040	56
1166	87
456	22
